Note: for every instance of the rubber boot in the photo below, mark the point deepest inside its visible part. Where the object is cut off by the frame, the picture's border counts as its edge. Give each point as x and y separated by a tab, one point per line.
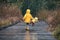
27	28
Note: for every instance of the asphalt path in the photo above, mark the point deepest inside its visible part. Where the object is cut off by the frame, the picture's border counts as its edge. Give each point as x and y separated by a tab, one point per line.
18	32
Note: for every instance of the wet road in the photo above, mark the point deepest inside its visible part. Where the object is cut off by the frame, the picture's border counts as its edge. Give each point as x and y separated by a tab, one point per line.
18	32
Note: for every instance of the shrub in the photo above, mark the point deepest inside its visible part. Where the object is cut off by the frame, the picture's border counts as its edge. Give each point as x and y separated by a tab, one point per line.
56	33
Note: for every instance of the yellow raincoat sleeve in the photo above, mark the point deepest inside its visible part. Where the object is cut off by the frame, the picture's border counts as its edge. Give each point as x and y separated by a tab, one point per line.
24	17
31	17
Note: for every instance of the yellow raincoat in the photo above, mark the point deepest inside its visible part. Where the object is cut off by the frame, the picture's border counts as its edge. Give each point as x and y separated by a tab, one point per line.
27	17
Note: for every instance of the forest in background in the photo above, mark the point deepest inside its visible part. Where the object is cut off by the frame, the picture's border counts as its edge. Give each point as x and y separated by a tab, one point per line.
34	5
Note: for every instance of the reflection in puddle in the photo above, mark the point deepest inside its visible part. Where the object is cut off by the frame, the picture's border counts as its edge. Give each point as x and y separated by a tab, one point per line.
31	36
27	35
34	36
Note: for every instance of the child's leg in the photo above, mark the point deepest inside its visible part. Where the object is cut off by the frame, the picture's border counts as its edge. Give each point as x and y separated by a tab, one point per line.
27	27
32	24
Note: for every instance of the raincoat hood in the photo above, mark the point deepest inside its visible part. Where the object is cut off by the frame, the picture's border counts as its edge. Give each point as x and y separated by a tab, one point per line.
28	11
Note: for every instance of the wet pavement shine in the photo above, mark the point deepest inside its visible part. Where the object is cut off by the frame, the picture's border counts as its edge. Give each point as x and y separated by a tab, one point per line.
18	32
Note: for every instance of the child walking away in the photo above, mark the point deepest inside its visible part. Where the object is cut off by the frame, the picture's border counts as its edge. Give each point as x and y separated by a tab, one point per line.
27	18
